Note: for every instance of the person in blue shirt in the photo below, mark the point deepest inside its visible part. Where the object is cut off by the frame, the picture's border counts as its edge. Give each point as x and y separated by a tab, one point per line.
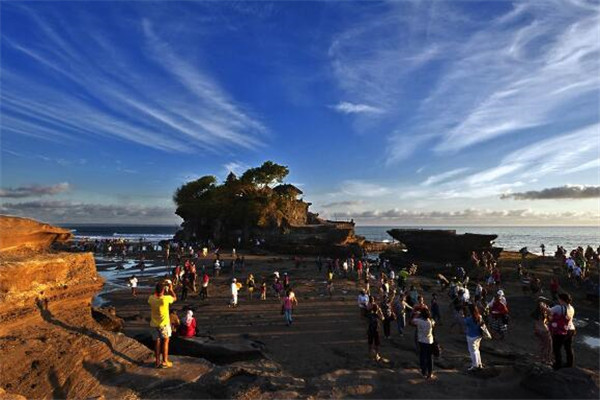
474	334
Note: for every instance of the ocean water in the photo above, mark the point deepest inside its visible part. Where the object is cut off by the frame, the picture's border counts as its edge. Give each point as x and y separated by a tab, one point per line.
509	237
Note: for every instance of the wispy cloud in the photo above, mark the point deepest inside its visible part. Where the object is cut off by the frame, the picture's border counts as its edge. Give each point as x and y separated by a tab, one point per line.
359	188
236	167
467	216
34	191
433	179
82	85
563	192
77	212
345	203
535	66
351	108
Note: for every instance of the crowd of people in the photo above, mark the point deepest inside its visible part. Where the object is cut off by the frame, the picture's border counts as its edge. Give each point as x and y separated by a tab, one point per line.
478	306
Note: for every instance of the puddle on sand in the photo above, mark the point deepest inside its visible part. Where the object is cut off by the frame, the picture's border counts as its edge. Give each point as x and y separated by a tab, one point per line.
593	342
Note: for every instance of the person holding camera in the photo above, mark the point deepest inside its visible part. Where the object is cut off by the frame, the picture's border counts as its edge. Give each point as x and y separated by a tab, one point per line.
160	322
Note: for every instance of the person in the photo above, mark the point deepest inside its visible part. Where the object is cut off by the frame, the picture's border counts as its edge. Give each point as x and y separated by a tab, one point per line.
541	331
563	330
425	325
388	314
160	322
234	293
363	302
263	290
543	249
374	315
204	290
250	283
217	267
473	324
400	307
287	305
499	314
187	328
133	282
330	283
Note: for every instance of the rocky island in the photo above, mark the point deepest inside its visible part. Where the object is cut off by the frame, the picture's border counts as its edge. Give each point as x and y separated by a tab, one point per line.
259	210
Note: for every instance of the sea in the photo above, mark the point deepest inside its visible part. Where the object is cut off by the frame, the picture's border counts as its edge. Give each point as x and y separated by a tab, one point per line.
509	237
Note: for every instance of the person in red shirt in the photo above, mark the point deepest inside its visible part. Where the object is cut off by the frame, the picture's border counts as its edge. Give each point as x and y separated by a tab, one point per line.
188	325
204	290
499	317
359	269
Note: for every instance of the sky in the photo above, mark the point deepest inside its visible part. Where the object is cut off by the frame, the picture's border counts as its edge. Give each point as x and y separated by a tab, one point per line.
386	112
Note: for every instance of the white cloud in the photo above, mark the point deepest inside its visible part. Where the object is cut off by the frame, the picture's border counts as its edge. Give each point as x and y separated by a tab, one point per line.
433	179
170	104
351	108
357	188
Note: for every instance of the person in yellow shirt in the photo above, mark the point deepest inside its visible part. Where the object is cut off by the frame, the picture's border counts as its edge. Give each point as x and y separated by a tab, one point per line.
160	322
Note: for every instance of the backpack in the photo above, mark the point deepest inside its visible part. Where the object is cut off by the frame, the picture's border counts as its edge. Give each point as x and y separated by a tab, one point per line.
559	323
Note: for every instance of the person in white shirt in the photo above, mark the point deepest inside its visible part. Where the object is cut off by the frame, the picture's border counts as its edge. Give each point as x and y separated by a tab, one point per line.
564	338
234	293
425	325
133	282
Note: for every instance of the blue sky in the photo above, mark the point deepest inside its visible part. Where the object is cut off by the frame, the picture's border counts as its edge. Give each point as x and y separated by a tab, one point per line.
399	112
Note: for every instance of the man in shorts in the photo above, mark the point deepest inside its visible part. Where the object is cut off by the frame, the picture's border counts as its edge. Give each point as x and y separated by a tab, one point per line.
160	323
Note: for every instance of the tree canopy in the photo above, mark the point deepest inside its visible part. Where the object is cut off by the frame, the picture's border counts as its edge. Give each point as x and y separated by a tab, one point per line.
239	206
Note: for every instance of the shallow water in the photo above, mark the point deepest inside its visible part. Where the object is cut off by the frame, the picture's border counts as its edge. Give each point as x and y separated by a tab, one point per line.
593	342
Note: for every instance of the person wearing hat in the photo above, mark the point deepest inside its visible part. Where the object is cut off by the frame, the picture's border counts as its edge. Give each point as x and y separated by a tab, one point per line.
499	315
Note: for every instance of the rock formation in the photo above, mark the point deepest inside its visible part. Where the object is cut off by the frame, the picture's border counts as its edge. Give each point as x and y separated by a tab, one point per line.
258	207
51	345
442	245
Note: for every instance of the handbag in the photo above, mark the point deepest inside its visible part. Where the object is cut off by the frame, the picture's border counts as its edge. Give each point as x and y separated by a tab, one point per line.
485	332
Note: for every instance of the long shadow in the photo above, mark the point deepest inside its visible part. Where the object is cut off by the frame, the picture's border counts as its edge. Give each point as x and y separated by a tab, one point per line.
48	317
133	381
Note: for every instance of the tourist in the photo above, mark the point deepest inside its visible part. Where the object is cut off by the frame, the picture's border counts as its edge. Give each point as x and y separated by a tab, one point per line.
543	249
474	324
457	306
400	308
330	283
263	290
217	267
187	328
250	283
425	324
563	330
234	293
363	301
359	269
204	290
413	295
278	288
499	316
554	288
287	305
133	282
388	314
374	315
160	322
541	331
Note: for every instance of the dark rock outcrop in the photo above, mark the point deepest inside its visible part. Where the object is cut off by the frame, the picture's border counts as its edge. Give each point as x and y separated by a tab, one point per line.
442	245
566	383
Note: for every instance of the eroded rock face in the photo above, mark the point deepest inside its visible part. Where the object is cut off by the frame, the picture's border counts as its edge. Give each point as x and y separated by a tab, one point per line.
21	234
